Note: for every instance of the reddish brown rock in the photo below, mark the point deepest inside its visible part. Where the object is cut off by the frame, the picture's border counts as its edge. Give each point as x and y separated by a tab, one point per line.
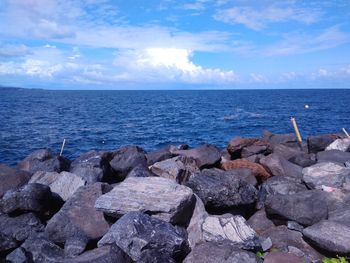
257	169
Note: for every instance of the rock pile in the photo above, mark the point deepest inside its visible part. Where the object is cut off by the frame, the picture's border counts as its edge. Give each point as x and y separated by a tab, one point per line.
265	199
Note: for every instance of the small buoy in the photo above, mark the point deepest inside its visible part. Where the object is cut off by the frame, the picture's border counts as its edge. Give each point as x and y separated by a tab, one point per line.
306	106
103	142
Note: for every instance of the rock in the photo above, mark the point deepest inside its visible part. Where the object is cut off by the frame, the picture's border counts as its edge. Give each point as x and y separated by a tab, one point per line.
292	225
219	191
320	142
231	228
259	221
303	159
44	160
306	208
92	166
278	166
105	254
236	145
147	239
179	168
333	156
278	257
325	173
337	199
14	230
19	255
224	252
253	150
266	244
31	198
11	178
257	169
330	236
140	171
205	156
64	184
127	158
285	151
289	139
163	198
339	144
158	155
341	215
78	222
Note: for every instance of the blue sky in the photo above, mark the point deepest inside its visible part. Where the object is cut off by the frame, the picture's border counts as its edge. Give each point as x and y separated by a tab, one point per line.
134	44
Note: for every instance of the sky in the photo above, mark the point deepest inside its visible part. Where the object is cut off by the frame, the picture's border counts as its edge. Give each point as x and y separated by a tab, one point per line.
174	44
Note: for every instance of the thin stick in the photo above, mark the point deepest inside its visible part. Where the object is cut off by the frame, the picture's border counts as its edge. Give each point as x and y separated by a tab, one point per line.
346	133
297	133
64	142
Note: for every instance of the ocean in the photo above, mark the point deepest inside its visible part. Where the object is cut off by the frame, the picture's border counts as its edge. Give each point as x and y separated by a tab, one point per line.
107	120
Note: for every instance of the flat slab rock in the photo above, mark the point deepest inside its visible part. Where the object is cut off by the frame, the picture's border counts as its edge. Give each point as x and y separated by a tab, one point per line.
163	198
339	144
333	156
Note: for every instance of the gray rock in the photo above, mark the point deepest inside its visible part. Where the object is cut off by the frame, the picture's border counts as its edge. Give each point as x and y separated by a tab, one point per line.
285	257
179	168
222	191
320	142
158	155
14	230
339	144
223	252
289	139
44	160
259	221
78	221
330	236
11	178
325	173
163	198
237	143
147	239
140	171
292	225
19	255
337	199
127	158
64	184
333	156
266	244
285	151
341	215
303	159
306	208
253	150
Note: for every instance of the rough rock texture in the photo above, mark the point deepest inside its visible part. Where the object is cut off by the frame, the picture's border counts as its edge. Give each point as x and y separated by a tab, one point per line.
330	236
253	150
303	159
333	156
179	168
306	208
158	155
285	257
289	140
341	215
78	221
325	173
127	158
163	198
147	239
206	155
278	166
257	169
285	151
259	221
64	184
19	255
232	228
236	145
11	178
320	142
339	144
44	160
92	166
219	191
223	252
31	197
14	230
337	199
140	171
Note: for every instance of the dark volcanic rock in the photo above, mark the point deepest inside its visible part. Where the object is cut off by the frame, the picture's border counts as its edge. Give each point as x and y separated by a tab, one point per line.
19	255
93	166
219	191
78	221
320	142
303	159
341	215
237	144
289	139
306	208
259	221
14	230
253	150
44	160
285	257
285	151
11	178
127	158
140	171
159	155
330	236
333	156
147	239
224	252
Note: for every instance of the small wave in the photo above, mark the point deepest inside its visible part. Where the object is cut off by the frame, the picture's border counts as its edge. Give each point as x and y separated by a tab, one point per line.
241	114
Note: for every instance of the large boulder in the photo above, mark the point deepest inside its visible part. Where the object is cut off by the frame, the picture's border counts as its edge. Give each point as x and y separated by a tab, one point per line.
303	159
253	150
78	222
320	142
179	168
285	151
333	156
127	158
44	160
306	208
236	145
325	173
339	144
224	252
147	239
289	140
92	166
257	169
11	178
14	230
329	236
64	184
164	153
140	171
341	215
222	191
205	156
163	198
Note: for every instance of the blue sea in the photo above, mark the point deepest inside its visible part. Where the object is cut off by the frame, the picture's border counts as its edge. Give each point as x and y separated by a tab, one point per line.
107	120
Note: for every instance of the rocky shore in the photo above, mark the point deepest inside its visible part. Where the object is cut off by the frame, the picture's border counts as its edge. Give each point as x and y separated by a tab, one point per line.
266	199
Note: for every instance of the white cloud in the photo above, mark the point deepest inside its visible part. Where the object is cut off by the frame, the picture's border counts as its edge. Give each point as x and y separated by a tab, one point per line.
258	78
7	50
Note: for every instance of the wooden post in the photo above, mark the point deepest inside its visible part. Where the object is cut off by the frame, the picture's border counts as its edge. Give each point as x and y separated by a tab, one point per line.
64	142
346	133
297	133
